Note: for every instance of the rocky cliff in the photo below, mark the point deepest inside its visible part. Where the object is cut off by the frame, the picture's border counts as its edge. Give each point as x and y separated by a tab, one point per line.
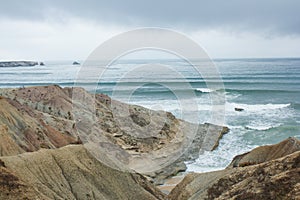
267	172
49	149
154	143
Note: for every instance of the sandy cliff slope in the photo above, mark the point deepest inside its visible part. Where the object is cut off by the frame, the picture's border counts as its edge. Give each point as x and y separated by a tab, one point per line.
69	172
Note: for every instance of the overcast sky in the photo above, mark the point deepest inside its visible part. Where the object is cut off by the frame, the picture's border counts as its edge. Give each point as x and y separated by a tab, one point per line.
65	29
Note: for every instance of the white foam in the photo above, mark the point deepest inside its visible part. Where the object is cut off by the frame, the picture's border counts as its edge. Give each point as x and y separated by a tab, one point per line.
255	107
231	144
262	125
260	128
204	90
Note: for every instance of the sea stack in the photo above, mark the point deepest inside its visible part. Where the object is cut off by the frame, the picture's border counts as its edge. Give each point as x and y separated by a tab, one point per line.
76	63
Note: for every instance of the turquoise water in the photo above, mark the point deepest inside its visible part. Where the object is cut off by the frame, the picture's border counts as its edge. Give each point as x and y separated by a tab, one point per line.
267	89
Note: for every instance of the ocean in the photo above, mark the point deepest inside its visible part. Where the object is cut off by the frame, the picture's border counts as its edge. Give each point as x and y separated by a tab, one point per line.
267	89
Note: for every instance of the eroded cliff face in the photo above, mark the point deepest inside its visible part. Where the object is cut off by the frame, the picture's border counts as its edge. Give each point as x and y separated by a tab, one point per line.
69	172
23	129
273	173
51	117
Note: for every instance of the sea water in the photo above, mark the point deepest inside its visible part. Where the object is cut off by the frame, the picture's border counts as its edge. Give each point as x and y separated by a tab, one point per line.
267	89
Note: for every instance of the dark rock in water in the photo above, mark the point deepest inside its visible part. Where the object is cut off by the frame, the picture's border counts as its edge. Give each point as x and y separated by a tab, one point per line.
18	64
42	64
76	63
239	109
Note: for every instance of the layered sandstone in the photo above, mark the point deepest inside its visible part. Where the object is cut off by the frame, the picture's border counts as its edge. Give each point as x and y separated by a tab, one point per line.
154	143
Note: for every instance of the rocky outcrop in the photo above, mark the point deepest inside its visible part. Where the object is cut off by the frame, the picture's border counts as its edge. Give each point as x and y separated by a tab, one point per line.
266	153
18	64
198	146
69	172
276	177
51	117
76	63
25	129
239	109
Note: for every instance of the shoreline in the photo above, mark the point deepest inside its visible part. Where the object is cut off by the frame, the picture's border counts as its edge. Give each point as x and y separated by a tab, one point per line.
38	124
57	103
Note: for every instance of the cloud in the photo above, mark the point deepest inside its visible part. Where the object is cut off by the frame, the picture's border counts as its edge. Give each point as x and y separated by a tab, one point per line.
36	40
65	29
272	17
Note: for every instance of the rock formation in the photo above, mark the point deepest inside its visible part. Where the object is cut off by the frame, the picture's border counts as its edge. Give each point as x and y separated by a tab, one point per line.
276	177
266	153
69	172
18	63
76	63
50	117
239	109
24	129
39	127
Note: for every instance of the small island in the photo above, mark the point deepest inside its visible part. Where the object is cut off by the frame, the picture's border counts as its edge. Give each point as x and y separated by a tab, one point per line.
76	63
18	63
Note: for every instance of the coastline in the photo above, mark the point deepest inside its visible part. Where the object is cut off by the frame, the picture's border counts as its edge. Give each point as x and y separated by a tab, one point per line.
38	123
50	114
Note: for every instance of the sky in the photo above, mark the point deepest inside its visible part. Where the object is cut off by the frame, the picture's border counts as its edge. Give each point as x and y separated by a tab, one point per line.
71	30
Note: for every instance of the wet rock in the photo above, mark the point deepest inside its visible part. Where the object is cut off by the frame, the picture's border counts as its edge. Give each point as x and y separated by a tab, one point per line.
239	109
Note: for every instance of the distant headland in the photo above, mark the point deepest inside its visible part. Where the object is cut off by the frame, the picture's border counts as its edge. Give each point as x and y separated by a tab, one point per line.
18	63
